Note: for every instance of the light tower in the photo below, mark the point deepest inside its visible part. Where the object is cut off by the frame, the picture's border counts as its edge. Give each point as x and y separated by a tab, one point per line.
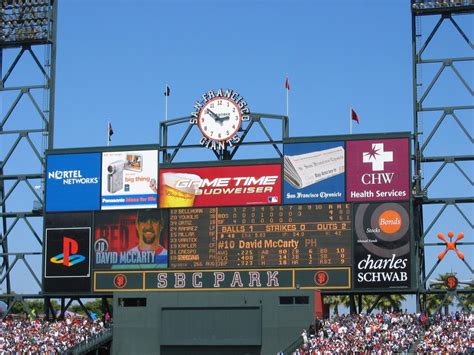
28	61
442	125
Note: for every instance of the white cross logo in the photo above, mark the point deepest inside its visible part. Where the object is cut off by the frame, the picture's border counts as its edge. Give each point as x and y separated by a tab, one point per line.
377	157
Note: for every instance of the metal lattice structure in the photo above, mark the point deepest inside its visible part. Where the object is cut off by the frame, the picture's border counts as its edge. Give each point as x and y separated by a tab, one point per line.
443	107
27	88
170	150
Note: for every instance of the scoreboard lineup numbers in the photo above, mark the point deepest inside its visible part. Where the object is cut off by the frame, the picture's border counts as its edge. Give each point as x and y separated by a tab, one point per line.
261	236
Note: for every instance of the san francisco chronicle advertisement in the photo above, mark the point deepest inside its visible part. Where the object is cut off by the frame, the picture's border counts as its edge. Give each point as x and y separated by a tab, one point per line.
220	186
314	172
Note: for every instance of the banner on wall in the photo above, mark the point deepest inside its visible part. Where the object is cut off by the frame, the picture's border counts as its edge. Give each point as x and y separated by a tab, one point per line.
314	172
131	239
382	246
129	179
73	182
220	186
378	170
224	279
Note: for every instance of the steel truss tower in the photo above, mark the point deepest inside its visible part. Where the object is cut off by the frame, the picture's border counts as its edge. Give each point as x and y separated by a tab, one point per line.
442	125
28	61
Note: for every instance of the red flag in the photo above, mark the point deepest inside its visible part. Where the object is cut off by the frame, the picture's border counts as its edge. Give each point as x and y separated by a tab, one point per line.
287	84
354	116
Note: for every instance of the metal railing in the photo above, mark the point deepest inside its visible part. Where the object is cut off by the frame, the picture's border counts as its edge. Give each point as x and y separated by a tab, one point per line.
290	349
92	343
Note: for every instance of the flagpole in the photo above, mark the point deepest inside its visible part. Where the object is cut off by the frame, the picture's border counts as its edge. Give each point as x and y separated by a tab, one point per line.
108	133
166	102
350	120
287	103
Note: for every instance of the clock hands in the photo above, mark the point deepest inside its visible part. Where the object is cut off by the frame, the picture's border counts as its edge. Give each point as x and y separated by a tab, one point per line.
217	117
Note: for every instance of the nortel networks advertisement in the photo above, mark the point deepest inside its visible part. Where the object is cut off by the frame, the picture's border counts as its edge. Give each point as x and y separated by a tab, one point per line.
129	179
314	172
382	246
131	239
220	186
73	182
378	170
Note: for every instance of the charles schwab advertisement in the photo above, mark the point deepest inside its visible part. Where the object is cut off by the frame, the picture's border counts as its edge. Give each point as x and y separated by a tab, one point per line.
382	246
131	239
220	186
129	179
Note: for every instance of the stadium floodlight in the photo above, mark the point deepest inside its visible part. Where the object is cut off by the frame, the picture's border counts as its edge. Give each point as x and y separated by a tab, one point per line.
427	4
25	20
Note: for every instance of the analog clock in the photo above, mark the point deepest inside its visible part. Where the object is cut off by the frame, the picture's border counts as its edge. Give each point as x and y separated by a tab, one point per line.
220	119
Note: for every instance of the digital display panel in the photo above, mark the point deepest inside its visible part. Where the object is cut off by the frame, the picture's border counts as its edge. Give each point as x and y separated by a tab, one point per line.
220	186
132	239
261	236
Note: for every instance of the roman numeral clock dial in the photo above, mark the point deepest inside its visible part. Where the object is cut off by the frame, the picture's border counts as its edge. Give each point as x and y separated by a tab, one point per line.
219	117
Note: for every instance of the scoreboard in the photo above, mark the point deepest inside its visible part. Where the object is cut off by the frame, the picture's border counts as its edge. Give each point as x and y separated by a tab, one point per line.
260	236
332	213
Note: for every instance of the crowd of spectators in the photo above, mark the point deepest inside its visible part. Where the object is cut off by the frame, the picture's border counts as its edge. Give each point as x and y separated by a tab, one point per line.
41	336
449	334
383	333
387	333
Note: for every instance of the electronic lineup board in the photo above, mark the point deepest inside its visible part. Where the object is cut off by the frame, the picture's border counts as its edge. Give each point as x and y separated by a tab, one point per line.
331	214
260	236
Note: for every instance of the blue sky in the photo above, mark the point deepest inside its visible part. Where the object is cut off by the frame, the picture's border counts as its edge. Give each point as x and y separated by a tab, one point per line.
334	55
114	59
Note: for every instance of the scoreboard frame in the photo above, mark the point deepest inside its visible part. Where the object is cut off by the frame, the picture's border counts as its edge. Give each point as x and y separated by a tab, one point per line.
346	280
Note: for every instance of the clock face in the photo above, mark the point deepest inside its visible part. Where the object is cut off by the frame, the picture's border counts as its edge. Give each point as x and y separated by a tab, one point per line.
220	119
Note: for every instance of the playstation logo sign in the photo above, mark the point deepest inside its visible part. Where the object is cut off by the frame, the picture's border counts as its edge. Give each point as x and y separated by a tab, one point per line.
68	257
67	252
